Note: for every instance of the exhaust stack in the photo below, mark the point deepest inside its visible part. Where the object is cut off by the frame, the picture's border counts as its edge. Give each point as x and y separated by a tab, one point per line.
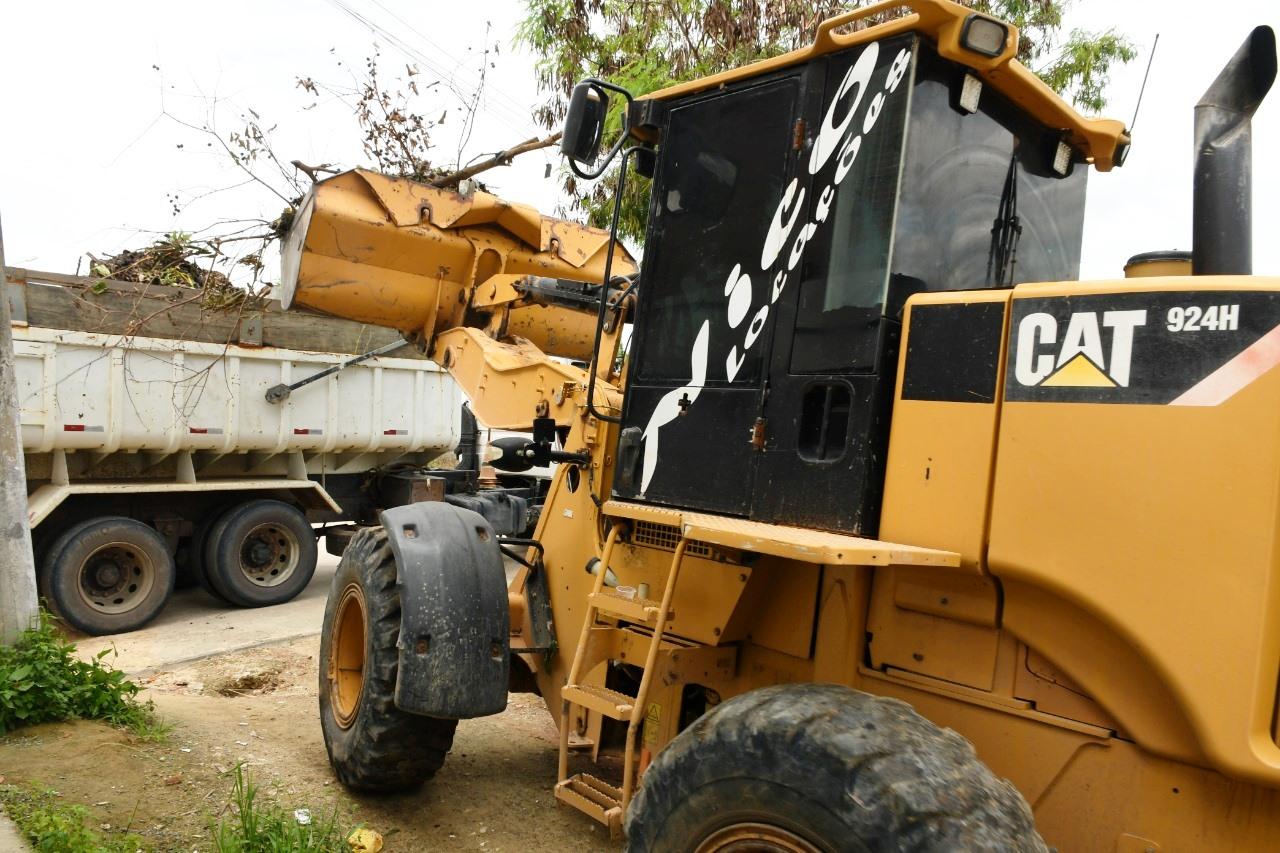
1222	217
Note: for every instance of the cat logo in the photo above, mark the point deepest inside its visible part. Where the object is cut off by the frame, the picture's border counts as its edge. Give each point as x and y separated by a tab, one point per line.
1095	350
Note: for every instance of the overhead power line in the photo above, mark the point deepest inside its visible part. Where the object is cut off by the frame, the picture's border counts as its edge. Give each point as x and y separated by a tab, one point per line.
503	112
499	94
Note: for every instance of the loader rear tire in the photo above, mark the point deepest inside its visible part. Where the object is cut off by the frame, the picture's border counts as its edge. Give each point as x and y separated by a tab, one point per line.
372	744
818	767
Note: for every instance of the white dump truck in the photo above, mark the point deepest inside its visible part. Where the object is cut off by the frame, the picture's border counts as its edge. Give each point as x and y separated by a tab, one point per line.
163	439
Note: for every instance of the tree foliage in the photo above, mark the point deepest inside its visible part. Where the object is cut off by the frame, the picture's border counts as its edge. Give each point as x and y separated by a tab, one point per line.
394	133
645	45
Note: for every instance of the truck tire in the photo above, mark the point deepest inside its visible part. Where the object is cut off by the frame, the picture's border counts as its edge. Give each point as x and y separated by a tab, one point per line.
107	575
819	767
196	551
372	744
260	553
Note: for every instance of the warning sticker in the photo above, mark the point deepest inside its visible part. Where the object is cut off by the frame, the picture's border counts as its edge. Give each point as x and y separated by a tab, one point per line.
652	721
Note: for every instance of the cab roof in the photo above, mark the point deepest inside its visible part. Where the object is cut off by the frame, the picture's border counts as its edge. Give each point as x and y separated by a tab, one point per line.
1101	141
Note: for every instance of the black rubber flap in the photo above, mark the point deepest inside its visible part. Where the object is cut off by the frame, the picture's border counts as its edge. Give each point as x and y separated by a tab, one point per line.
454	646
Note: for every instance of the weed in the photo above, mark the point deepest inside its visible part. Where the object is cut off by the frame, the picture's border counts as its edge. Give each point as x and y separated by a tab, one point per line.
54	827
257	827
41	680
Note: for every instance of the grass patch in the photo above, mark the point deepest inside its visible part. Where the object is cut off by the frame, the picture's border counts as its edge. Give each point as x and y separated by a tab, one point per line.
257	827
41	681
54	827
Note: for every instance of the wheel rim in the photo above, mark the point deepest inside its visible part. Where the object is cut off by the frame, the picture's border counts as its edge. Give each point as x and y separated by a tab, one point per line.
269	554
346	656
116	577
749	837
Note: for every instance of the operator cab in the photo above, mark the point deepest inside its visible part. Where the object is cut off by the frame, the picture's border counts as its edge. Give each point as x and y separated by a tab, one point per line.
793	212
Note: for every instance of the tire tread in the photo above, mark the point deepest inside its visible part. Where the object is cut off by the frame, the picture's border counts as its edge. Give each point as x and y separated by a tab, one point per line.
887	776
385	749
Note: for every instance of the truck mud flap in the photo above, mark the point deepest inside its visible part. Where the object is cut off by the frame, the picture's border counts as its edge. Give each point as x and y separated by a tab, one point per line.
454	647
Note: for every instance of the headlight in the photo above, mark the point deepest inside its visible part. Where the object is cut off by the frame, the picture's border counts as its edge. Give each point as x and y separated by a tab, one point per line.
291	250
984	35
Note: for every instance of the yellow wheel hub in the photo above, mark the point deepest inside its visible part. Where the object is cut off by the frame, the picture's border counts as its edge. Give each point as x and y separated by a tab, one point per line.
347	655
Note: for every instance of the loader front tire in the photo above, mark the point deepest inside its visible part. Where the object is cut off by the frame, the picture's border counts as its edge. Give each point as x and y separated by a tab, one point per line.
818	767
372	744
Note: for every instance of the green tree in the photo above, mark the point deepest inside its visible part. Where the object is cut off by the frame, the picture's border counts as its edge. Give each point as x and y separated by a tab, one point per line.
645	45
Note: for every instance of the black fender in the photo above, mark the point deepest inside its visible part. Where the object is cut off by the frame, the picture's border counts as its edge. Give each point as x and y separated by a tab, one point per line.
454	647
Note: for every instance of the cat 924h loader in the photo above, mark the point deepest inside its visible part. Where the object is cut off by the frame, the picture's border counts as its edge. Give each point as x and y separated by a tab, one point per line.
882	507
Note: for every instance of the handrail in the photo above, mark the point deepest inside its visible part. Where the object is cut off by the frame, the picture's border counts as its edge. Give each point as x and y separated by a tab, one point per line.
604	291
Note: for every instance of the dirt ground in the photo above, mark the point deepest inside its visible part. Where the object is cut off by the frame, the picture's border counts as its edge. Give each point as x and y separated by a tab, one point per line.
258	707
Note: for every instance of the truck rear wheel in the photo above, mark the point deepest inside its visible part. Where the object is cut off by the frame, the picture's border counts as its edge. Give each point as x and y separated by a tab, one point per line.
818	767
259	554
108	575
196	550
372	744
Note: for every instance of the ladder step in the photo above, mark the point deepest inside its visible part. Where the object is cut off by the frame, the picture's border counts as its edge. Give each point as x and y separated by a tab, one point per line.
595	788
611	703
644	610
594	798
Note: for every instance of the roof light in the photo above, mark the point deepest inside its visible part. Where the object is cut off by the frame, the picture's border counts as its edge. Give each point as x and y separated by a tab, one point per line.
984	35
970	93
1062	159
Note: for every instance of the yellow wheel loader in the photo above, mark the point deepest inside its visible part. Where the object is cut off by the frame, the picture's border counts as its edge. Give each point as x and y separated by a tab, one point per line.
887	533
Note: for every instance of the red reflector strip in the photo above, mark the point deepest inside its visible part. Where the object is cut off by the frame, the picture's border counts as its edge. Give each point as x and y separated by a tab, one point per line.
200	430
73	427
395	432
307	431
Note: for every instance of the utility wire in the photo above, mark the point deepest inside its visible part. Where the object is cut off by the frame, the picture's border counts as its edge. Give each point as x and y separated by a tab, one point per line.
506	114
500	95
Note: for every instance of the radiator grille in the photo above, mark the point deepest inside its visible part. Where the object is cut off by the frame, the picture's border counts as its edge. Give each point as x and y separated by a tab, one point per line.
666	537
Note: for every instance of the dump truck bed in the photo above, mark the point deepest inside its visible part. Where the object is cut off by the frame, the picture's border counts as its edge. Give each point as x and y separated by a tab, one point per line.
91	378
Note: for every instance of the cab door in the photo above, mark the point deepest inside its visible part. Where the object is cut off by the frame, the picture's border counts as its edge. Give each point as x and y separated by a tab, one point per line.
833	363
698	361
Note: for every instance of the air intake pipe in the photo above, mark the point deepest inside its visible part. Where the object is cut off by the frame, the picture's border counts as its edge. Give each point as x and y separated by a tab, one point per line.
1222	216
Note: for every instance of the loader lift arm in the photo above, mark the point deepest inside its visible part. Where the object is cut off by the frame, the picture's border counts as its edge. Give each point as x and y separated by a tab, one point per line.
503	298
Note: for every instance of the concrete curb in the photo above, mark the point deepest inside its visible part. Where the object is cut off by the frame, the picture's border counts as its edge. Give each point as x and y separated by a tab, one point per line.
10	838
170	664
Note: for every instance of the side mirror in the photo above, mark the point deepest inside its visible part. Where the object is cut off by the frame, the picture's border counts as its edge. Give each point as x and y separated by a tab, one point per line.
513	454
584	123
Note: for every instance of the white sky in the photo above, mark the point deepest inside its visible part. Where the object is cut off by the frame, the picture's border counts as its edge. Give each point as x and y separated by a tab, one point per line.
89	158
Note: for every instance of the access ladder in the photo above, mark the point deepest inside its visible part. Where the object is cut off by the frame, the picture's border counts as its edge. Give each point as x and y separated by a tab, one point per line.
597	798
